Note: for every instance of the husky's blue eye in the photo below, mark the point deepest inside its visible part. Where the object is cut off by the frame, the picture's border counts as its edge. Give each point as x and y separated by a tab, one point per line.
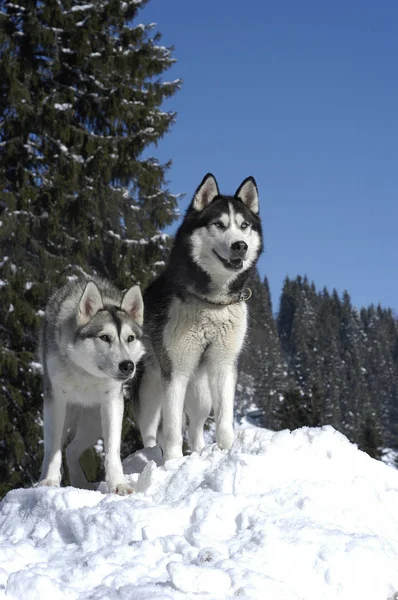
105	338
130	339
244	225
219	224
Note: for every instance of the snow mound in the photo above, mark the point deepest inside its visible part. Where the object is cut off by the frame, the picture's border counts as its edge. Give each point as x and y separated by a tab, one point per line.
300	515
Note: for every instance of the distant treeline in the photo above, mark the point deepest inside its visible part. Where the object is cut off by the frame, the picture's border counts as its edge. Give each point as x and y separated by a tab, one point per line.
322	361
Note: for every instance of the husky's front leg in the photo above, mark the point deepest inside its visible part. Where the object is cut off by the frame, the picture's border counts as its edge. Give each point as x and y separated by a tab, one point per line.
222	378
54	419
172	411
112	419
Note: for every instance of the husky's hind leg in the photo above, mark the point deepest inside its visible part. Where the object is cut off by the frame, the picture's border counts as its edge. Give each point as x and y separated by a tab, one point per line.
198	406
149	411
172	414
88	430
54	419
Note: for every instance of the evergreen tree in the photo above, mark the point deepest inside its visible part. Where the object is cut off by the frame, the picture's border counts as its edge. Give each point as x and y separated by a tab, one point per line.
301	337
370	439
380	371
80	95
261	367
355	400
286	314
299	410
332	369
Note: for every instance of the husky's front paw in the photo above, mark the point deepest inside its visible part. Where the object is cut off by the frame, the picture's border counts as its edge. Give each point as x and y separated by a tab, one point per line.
122	489
172	451
48	483
225	438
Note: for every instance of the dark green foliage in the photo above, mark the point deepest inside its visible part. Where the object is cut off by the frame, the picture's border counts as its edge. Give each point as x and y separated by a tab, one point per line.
298	410
80	98
370	439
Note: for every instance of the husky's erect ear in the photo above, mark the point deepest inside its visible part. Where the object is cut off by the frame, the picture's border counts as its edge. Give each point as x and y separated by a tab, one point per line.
133	304
205	193
90	303
247	192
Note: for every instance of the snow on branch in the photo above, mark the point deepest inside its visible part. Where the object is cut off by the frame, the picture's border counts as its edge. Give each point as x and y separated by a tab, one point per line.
141	242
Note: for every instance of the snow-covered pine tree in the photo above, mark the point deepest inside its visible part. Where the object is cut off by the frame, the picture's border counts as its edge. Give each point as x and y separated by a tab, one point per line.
261	367
81	91
331	366
300	334
380	334
356	399
298	324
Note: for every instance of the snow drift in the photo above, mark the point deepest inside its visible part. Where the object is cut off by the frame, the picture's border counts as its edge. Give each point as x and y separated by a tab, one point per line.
300	515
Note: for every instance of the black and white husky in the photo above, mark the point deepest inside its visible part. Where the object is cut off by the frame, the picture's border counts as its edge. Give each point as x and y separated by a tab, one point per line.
196	318
90	345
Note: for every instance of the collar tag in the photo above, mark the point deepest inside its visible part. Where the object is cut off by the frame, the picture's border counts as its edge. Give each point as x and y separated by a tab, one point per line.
246	294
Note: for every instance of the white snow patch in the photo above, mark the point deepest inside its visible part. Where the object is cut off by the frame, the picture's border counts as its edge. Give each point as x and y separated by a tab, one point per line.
77	158
81	7
65	106
62	146
299	515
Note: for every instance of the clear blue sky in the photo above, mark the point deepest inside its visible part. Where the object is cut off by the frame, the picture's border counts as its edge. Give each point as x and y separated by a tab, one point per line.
303	95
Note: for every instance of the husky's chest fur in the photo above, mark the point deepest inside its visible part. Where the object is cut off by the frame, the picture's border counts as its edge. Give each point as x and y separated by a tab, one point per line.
194	327
79	386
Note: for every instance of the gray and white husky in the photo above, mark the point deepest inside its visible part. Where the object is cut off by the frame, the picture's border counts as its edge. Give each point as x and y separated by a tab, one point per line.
90	345
196	318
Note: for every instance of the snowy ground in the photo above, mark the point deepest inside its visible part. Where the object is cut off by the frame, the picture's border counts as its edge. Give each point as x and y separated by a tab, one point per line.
301	515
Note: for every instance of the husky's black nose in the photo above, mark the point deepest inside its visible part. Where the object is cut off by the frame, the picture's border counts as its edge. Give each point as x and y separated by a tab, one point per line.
239	248
126	367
